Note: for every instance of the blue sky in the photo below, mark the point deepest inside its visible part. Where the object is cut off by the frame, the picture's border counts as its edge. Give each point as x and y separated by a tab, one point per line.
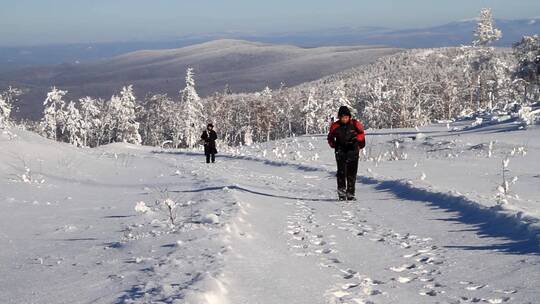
27	22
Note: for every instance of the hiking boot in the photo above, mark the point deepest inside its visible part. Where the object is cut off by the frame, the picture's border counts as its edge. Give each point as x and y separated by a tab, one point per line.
342	195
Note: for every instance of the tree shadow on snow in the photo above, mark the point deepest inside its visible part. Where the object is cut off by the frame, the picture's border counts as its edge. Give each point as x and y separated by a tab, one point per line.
513	235
235	187
274	163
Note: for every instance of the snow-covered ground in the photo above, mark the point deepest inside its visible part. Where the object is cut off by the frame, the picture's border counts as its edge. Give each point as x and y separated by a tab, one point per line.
262	224
461	162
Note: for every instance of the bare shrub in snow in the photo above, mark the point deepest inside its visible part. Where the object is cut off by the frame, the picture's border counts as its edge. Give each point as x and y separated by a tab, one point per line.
28	176
528	116
141	207
503	190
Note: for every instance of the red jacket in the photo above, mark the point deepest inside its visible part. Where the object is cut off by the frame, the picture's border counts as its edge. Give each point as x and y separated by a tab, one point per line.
360	135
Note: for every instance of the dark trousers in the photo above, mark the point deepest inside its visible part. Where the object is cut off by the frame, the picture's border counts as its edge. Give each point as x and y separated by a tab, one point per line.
347	167
208	156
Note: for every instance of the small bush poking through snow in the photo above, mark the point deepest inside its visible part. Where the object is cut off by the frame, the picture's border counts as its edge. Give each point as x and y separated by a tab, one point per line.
170	206
29	177
141	207
503	189
528	116
490	148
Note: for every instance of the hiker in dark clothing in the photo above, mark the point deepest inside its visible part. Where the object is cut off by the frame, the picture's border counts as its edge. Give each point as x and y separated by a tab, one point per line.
209	137
347	137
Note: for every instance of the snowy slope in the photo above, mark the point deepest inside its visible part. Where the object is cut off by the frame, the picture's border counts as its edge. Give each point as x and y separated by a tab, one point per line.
262	224
70	233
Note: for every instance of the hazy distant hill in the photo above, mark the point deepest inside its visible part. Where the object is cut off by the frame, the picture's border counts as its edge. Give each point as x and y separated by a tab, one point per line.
451	34
243	65
455	34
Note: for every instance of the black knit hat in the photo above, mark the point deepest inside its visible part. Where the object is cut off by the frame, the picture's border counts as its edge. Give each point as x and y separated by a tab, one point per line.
344	111
210	125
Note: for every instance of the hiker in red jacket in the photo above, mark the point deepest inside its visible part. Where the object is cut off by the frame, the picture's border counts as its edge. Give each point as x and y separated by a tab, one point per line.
347	137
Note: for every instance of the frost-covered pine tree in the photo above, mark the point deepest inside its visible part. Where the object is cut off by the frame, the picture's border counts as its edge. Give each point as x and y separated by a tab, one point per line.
130	125
5	112
53	114
486	33
7	99
248	136
377	113
341	99
266	92
527	49
193	111
287	110
90	121
265	113
310	109
330	106
156	120
123	111
327	114
72	128
527	54
481	68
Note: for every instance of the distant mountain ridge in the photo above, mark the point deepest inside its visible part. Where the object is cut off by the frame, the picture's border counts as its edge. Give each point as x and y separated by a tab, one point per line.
450	34
244	66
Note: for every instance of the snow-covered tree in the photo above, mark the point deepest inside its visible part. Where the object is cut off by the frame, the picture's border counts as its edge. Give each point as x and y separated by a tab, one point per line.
287	110
265	114
486	33
161	121
7	99
72	128
310	109
527	54
5	112
341	99
378	98
527	49
91	123
248	136
126	128
53	114
330	105
192	112
482	65
266	92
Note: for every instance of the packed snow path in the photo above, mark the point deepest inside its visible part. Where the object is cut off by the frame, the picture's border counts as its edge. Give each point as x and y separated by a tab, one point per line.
292	242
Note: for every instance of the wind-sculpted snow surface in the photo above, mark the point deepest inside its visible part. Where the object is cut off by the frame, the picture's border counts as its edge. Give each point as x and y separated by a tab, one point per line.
131	224
87	225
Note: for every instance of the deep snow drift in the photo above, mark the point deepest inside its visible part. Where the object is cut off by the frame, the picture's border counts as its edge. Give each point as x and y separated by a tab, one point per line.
129	224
